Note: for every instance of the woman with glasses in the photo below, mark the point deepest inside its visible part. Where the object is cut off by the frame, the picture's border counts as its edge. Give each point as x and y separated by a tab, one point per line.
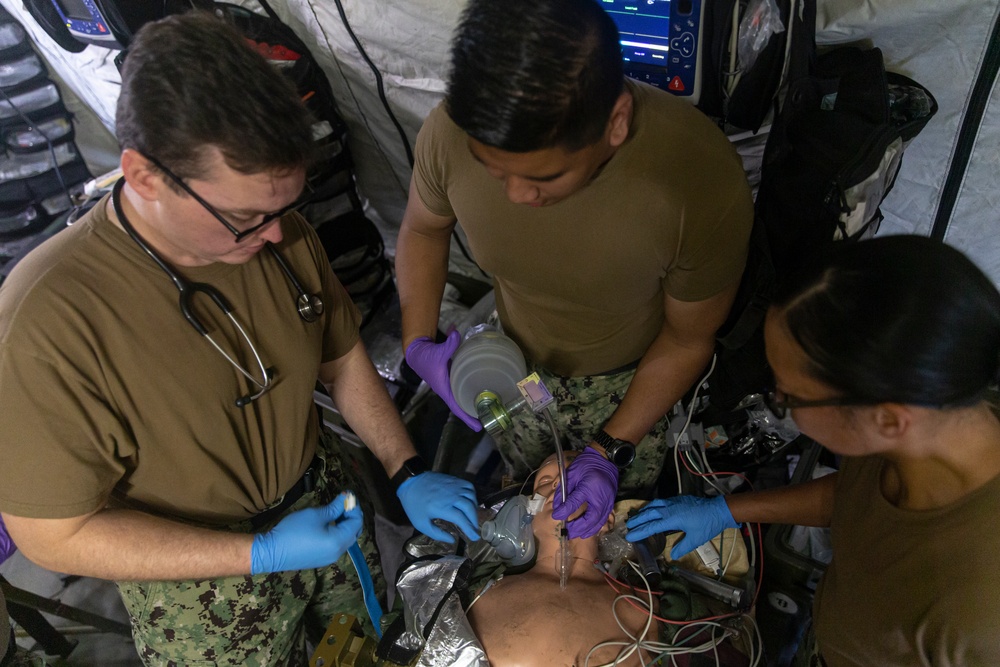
885	354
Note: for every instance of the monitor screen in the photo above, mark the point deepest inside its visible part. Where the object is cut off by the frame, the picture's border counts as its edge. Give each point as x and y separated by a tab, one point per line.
76	9
644	28
661	42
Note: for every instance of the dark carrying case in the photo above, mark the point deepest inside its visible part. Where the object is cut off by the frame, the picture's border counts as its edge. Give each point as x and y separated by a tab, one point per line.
832	156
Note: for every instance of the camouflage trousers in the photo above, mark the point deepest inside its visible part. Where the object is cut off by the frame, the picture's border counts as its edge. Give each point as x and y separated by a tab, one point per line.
15	656
583	405
256	620
22	658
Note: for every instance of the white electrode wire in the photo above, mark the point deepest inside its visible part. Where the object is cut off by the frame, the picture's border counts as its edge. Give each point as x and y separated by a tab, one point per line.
661	649
729	558
677	467
755	655
701	466
733	75
628	648
672	650
687	423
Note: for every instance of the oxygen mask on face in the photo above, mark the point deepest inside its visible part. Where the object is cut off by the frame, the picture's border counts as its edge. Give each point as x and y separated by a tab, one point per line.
510	532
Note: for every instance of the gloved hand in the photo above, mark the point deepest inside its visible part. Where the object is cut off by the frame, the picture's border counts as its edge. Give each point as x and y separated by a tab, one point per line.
590	479
7	548
432	361
700	519
434	495
310	538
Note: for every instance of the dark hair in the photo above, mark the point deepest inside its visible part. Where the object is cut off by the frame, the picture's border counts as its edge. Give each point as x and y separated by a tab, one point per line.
534	74
902	319
191	81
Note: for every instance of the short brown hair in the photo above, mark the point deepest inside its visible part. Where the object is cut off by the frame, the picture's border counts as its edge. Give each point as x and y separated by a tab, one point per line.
190	81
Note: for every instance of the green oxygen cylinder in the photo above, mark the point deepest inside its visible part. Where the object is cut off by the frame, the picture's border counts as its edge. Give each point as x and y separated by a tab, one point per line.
485	371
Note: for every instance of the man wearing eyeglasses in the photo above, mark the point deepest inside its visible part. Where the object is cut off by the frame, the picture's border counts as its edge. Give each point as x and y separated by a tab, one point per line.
157	366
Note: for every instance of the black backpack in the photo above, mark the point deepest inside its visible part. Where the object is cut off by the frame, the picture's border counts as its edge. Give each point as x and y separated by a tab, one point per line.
831	157
352	241
787	56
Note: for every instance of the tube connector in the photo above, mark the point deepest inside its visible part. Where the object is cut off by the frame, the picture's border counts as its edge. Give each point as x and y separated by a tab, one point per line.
493	414
496	417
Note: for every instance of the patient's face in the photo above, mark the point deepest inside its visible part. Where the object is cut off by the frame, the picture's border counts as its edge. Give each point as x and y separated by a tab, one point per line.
547	477
547	484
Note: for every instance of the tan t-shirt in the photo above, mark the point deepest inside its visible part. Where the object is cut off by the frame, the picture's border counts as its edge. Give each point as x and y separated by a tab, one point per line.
107	393
909	588
580	284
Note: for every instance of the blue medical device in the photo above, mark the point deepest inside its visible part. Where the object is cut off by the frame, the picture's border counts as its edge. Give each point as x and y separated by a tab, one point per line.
109	23
88	23
661	42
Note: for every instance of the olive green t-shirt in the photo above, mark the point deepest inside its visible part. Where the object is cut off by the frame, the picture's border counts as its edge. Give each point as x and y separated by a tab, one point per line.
580	284
109	395
909	588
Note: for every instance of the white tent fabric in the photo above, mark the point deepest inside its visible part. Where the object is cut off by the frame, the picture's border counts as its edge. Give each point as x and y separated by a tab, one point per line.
943	45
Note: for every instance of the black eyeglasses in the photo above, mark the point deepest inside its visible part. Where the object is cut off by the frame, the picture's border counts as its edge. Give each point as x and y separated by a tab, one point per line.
779	407
240	235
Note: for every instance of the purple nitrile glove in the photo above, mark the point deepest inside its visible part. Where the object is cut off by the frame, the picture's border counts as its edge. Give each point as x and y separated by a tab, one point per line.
7	547
590	479
432	362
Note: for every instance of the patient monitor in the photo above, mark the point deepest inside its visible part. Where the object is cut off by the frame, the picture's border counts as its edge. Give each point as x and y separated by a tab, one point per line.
661	42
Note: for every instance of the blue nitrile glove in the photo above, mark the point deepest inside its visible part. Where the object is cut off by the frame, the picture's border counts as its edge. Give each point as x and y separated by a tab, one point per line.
591	479
700	519
432	361
307	539
434	495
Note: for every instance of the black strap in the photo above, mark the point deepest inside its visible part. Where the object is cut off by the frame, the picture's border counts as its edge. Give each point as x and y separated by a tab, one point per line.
305	484
8	657
972	121
270	10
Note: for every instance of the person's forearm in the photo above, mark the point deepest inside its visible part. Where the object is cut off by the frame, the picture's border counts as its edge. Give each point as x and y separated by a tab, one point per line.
806	504
128	545
421	273
360	395
664	375
672	363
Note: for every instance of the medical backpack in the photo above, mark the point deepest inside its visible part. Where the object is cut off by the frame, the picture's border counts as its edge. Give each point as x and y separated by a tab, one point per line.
352	242
832	155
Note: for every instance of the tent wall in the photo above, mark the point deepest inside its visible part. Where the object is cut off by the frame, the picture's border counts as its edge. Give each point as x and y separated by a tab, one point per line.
943	45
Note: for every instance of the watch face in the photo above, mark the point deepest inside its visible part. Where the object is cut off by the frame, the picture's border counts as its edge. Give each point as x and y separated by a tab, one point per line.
622	454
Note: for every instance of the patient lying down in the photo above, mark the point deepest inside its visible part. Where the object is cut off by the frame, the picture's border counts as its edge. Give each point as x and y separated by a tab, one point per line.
526	620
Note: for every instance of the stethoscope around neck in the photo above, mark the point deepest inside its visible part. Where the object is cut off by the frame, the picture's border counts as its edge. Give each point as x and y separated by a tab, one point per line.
308	306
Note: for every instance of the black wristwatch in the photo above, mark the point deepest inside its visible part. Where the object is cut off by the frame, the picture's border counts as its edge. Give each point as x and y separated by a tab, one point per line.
620	452
411	468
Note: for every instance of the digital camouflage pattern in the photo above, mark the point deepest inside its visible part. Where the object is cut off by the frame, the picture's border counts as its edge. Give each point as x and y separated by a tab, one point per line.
23	658
256	620
584	404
